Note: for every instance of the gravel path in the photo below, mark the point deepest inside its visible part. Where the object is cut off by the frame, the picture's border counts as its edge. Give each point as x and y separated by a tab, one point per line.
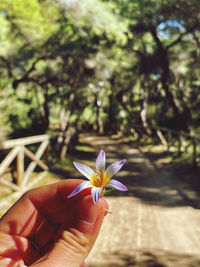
153	224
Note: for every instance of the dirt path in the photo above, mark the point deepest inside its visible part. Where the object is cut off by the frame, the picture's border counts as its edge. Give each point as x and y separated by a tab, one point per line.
153	224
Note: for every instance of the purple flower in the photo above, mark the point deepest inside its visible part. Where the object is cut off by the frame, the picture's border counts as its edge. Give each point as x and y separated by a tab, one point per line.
101	178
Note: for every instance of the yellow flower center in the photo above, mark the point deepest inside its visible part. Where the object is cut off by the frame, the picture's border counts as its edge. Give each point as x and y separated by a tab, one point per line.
99	180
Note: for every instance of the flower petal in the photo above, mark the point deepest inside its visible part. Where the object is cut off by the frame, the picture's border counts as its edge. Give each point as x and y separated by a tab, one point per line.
85	170
79	188
114	168
117	185
96	193
101	161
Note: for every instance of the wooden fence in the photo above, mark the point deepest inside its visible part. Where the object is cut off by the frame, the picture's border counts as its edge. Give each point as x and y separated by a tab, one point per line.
18	149
179	139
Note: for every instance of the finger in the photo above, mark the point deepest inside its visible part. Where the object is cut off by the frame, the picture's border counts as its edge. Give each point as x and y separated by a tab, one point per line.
14	248
75	240
83	264
27	217
27	213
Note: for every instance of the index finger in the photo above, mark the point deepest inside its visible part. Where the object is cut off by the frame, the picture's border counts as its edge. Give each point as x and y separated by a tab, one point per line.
26	214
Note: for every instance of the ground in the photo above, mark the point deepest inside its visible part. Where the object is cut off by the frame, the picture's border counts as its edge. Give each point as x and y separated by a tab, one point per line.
156	223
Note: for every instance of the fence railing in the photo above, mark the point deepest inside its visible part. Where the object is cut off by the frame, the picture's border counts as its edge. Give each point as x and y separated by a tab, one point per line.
18	150
168	137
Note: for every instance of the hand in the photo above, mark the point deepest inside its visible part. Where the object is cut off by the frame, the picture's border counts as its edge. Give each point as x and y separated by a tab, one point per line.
45	228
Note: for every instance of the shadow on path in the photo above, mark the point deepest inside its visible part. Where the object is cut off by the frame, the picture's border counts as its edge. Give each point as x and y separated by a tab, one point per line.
144	179
143	258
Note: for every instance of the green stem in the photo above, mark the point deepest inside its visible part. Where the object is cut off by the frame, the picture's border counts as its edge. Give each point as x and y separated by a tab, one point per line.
107	191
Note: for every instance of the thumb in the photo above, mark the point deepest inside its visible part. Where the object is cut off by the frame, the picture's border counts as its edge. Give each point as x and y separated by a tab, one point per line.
75	242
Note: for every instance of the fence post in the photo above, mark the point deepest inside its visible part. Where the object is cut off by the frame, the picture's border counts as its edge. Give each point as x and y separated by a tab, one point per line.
20	165
194	152
179	144
46	155
162	139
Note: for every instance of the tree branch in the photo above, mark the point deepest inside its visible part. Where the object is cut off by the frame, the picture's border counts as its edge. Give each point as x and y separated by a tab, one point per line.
25	77
8	65
196	39
179	39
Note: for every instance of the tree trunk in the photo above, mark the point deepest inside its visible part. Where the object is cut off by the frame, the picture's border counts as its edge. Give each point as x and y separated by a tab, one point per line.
65	120
66	135
46	105
143	113
165	77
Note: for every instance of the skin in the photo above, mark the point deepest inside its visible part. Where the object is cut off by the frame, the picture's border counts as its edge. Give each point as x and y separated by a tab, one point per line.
45	228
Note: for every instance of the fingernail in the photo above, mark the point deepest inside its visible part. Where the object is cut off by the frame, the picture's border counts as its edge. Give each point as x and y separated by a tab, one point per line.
89	212
105	205
83	265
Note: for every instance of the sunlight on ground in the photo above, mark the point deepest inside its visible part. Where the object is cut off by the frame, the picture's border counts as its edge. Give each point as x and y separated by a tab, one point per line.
84	148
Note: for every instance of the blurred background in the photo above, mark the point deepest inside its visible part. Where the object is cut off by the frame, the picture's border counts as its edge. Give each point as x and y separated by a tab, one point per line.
100	66
123	75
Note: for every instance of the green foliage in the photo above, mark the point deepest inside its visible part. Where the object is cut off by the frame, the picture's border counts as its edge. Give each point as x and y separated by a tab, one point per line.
99	65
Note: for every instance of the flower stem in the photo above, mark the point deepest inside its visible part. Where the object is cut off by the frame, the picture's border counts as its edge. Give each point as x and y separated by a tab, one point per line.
107	191
108	211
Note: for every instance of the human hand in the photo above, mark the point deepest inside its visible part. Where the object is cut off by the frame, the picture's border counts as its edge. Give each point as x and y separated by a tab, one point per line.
45	228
